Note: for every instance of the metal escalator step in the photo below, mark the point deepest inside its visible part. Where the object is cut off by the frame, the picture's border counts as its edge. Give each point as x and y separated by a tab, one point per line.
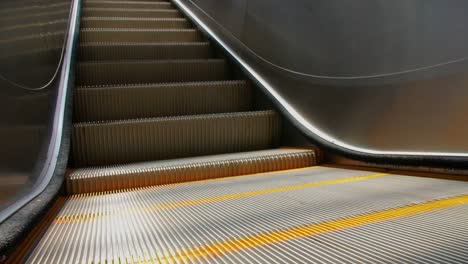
126	141
145	51
128	4
134	22
136	1
100	179
140	35
135	72
159	100
125	12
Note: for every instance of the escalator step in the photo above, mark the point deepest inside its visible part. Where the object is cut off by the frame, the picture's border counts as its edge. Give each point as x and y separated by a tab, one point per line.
121	12
128	4
159	100
144	51
100	179
106	143
127	0
140	35
130	22
137	72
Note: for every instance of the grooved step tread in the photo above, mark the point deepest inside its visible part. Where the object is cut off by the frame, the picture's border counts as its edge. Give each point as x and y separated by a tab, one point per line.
116	51
140	35
314	215
105	143
134	72
159	100
127	4
134	22
100	179
123	12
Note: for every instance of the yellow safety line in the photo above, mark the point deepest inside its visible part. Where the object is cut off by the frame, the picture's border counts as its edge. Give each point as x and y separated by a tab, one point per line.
93	216
260	192
223	247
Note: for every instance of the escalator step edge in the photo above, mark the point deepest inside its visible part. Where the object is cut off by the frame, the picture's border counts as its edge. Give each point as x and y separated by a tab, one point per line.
126	141
101	179
159	100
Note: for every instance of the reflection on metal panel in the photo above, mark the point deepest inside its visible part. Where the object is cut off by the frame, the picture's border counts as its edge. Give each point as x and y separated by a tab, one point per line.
32	34
347	39
395	86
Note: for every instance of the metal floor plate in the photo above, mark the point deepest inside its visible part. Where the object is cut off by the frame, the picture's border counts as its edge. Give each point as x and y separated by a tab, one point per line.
308	215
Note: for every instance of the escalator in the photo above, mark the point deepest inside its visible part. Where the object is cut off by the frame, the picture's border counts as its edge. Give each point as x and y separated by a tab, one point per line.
175	160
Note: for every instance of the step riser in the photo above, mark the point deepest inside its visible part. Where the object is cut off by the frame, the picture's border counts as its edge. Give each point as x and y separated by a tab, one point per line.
168	138
151	72
87	12
145	52
136	5
92	181
97	104
141	36
136	23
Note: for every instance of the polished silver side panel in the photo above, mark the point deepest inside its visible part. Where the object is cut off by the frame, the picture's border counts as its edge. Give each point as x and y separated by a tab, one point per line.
36	49
371	78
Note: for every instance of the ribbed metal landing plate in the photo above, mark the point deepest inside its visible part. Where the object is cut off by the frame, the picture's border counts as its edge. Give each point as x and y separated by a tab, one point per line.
128	4
137	72
144	51
129	22
124	12
321	215
140	35
135	175
432	237
159	100
116	142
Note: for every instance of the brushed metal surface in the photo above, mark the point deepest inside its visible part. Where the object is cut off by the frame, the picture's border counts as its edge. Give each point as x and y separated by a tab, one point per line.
162	172
168	223
32	37
372	78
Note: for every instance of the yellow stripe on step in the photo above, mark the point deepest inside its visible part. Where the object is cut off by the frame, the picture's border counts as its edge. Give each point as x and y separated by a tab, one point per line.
63	219
237	244
261	192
